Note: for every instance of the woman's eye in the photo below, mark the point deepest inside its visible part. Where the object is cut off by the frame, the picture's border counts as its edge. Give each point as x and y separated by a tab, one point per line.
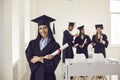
45	27
40	28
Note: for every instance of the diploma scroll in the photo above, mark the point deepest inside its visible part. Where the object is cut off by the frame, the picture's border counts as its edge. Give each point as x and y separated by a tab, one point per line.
60	49
101	39
84	42
76	45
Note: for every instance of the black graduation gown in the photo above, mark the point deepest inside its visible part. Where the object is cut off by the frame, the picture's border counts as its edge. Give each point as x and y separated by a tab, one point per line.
80	41
68	52
42	71
100	47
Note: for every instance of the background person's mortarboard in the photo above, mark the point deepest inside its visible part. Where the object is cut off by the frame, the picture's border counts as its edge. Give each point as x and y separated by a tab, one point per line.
71	24
81	27
99	26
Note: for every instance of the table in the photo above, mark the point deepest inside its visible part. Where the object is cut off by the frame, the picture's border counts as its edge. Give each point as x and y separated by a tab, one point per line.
90	67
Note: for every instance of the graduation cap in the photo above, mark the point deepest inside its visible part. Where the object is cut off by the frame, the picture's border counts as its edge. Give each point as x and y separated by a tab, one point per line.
44	20
71	24
99	26
81	27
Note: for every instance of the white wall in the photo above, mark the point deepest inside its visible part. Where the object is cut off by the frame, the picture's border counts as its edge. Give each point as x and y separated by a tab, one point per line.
84	12
87	12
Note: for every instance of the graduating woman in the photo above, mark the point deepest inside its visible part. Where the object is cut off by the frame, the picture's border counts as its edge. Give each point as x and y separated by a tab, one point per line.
42	63
99	40
83	41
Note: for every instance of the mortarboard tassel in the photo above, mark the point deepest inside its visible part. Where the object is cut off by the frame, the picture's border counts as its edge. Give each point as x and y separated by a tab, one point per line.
53	28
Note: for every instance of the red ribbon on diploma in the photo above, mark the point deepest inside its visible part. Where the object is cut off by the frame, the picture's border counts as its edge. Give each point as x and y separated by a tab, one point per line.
59	51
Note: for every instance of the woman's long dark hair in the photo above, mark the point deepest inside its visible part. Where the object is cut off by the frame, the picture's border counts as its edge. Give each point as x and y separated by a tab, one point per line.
50	34
81	33
96	39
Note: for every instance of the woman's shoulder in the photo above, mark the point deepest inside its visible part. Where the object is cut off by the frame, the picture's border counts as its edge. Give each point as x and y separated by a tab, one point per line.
32	42
77	37
94	35
66	31
104	34
86	35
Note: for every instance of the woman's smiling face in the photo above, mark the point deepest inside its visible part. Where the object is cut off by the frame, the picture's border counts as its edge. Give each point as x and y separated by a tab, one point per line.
43	30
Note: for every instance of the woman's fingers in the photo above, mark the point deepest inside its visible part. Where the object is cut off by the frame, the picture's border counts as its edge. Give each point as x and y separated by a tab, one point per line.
35	59
49	56
41	59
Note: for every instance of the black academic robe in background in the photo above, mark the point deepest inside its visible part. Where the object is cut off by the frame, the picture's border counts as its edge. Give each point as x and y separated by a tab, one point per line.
80	41
42	71
68	52
100	47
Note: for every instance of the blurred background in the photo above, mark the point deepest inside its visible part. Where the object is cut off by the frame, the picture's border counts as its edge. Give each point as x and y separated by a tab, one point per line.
16	29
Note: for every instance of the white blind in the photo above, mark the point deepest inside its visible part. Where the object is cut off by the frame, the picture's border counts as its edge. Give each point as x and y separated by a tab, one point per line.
115	21
15	31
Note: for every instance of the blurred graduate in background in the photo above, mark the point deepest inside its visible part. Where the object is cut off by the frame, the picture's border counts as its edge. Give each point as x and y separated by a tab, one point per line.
82	42
68	38
99	40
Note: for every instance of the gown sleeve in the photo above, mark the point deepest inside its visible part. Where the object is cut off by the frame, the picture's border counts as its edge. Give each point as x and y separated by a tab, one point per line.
88	40
68	38
93	40
51	65
106	41
29	56
76	40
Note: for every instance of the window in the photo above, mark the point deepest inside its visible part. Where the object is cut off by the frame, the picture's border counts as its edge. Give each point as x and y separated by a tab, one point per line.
115	21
